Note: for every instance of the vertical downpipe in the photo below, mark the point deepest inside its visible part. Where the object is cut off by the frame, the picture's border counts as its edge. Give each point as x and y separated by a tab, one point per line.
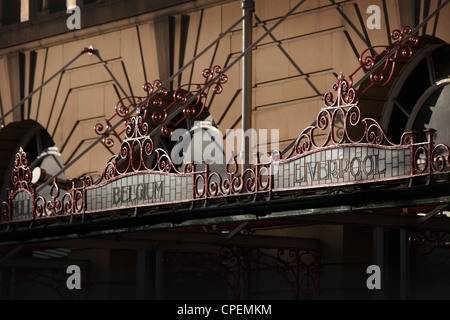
248	7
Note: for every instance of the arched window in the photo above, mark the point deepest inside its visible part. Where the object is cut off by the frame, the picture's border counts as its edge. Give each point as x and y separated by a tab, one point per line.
39	146
420	97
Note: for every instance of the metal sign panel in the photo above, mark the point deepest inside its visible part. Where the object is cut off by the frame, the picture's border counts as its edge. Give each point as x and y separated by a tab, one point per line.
21	206
139	190
344	165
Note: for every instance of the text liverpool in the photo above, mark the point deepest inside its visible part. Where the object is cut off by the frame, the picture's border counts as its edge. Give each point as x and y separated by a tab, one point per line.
336	169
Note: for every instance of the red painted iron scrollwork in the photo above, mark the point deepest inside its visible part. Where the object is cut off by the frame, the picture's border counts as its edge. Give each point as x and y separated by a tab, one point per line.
339	127
340	122
21	178
384	74
122	110
194	109
255	180
430	158
157	105
56	206
138	154
24	204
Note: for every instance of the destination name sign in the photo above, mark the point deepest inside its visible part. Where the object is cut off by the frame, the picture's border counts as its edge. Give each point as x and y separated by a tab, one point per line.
344	165
139	190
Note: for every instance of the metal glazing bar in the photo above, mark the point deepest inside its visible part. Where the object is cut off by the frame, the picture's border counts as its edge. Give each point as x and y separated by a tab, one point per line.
295	65
386	19
248	7
233	233
436	21
429	215
360	35
83	153
85	50
254	44
426	11
194	59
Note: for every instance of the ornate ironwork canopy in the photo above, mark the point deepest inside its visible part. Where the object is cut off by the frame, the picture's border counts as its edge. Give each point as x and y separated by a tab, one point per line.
343	150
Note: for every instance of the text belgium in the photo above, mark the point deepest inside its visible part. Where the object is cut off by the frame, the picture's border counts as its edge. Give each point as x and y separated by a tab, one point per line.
146	192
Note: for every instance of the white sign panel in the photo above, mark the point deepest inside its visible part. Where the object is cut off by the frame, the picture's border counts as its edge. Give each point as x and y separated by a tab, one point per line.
344	165
139	190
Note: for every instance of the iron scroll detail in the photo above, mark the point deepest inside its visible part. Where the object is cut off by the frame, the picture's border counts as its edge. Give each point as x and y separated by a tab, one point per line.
154	108
384	73
340	122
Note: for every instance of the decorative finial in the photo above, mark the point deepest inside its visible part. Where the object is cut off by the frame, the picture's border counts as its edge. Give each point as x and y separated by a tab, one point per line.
89	50
341	76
